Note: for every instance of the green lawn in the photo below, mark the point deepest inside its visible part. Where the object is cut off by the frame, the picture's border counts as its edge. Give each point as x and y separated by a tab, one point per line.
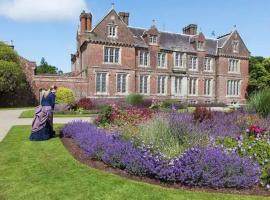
16	108
30	114
46	171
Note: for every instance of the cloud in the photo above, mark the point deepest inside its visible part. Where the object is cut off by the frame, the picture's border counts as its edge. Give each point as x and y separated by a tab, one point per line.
41	10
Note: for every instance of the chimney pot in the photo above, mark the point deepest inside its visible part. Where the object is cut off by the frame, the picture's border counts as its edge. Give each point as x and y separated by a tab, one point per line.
124	16
85	21
191	29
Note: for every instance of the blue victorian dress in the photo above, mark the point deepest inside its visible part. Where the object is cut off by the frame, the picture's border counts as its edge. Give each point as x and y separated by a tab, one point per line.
42	126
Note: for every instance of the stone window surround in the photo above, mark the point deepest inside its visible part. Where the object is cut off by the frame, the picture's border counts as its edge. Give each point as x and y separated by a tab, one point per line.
165	60
148	58
159	84
106	83
126	80
148	84
231	86
119	55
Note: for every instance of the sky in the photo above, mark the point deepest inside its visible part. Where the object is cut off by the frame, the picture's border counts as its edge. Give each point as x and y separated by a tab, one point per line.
47	28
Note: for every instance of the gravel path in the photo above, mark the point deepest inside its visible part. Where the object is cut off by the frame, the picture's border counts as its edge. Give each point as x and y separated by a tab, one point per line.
9	118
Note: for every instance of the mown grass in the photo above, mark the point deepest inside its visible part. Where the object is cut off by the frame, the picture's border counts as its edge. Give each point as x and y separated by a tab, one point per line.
16	108
46	171
30	114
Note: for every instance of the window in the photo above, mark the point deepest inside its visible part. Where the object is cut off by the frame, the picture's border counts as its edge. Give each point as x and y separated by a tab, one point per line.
207	102
144	89
192	102
101	85
112	30
234	65
153	39
161	85
192	86
144	58
200	45
111	55
122	83
161	58
178	85
233	87
208	64
235	45
208	87
193	65
178	60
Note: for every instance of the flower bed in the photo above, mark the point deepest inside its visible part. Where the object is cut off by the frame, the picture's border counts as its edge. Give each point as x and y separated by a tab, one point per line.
197	166
203	148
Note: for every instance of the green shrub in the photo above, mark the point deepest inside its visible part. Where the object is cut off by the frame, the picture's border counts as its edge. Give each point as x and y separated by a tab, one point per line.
257	148
260	102
104	118
64	95
156	133
134	99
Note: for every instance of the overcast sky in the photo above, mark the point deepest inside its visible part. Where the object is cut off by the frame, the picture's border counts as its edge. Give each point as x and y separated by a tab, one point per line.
47	28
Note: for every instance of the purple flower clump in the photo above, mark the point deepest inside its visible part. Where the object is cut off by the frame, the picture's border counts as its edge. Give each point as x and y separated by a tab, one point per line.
214	168
210	166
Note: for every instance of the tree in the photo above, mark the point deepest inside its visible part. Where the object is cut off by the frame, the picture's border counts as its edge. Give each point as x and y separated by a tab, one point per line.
8	54
11	77
11	74
259	73
45	68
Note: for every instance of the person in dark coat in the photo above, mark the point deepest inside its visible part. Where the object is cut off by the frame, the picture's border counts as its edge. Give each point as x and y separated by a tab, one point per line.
42	126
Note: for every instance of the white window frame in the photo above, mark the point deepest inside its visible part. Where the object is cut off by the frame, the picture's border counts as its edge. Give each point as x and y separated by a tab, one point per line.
147	82
143	59
234	66
208	87
160	64
161	89
112	30
178	57
121	83
153	39
201	46
191	63
101	82
113	49
177	85
233	88
193	85
208	64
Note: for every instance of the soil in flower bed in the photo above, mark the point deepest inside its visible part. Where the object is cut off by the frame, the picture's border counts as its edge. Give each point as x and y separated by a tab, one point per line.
82	157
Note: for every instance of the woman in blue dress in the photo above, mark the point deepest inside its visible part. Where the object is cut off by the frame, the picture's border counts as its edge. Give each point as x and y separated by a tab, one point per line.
42	126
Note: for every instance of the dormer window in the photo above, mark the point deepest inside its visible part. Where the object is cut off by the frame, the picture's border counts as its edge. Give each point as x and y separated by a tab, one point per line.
200	45
152	39
235	44
112	30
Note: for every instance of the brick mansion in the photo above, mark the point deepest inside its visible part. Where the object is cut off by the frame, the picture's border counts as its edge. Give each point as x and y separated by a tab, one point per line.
114	59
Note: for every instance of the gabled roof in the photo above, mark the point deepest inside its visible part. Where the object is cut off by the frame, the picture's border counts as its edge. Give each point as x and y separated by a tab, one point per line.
223	39
174	41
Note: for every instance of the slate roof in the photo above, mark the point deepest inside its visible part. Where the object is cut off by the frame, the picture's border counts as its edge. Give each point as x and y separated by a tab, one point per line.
175	41
222	39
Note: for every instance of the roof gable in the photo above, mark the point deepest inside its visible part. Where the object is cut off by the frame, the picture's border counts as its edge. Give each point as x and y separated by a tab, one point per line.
227	45
100	31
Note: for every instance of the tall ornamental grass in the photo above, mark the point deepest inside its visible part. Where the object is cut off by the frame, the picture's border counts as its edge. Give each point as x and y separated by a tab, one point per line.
260	102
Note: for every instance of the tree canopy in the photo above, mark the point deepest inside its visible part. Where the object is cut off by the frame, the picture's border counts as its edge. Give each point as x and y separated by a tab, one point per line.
45	68
11	74
259	73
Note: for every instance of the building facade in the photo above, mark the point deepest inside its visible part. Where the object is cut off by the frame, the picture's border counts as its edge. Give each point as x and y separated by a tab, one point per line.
115	59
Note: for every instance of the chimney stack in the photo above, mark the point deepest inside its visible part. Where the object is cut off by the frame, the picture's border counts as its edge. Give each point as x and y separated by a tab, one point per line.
124	16
86	22
191	29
